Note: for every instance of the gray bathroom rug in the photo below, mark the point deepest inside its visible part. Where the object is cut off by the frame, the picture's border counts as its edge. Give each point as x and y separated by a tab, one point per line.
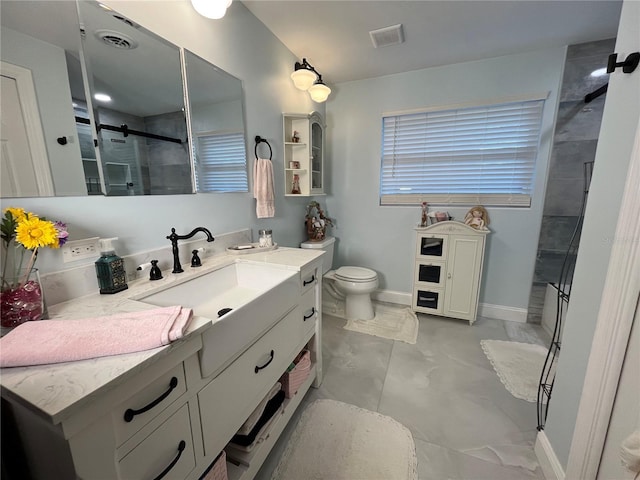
339	441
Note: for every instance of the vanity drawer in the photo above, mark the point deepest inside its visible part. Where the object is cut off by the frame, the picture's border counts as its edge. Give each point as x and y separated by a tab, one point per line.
168	448
241	386
139	409
309	312
308	279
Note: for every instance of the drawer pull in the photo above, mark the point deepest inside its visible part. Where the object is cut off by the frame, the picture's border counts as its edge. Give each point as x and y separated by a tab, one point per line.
181	446
305	283
130	413
266	364
307	317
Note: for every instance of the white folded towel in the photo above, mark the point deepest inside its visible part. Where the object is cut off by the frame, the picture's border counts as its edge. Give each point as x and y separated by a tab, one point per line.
263	188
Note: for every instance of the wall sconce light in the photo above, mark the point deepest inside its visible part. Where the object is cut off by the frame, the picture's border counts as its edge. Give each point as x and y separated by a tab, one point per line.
214	9
305	77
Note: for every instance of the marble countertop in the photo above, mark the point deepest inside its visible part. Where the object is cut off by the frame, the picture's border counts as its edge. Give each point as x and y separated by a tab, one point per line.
57	390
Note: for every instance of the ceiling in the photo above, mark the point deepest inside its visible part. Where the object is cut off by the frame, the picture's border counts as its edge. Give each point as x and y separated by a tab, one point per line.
334	35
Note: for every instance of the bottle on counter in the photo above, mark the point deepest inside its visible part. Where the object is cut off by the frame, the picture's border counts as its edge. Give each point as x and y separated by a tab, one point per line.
265	239
112	277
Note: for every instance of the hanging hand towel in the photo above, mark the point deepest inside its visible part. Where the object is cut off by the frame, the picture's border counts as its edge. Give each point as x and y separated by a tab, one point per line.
263	189
54	341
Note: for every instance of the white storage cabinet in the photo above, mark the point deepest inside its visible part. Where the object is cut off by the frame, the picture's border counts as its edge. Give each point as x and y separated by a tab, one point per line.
448	269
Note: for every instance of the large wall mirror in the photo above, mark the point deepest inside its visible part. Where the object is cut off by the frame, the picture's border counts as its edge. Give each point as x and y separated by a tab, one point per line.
142	139
216	108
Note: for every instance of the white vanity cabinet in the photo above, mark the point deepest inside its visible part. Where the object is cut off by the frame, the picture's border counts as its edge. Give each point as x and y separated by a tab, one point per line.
166	420
303	157
448	269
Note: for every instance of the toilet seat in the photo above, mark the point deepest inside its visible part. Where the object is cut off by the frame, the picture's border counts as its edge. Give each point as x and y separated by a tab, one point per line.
355	274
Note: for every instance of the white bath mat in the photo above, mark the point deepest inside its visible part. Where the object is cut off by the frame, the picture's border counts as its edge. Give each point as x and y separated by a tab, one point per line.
390	321
518	366
338	441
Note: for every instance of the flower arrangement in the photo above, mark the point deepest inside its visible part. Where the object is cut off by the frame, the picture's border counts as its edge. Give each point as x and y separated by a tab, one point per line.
316	222
24	232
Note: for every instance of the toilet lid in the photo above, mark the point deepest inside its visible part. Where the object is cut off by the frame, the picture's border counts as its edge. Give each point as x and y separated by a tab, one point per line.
355	274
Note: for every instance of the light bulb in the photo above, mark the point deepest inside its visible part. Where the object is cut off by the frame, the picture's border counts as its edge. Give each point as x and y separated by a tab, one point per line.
214	9
319	92
303	78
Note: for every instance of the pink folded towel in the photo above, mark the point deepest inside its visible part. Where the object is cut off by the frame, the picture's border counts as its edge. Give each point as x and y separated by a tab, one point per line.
54	341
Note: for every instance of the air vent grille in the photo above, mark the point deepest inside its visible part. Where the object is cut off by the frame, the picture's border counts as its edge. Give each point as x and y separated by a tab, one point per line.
116	39
383	37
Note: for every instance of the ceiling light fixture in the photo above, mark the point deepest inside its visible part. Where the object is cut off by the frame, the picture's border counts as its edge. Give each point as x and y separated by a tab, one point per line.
305	77
214	9
102	97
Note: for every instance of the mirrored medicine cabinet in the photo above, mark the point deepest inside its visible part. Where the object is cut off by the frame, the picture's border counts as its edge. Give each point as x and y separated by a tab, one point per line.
58	58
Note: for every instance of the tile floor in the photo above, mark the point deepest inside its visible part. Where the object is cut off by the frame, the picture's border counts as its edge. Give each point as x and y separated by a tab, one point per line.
465	424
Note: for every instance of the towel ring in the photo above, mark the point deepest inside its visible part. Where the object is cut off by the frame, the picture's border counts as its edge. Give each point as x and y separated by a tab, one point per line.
259	140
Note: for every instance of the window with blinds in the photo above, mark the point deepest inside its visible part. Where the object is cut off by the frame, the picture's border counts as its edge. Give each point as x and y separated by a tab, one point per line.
465	156
221	162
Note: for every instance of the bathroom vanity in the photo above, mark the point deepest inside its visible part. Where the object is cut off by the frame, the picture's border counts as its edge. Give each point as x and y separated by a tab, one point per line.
448	264
169	412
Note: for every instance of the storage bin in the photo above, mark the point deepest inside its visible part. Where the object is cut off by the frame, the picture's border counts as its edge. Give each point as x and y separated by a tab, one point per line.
218	469
292	380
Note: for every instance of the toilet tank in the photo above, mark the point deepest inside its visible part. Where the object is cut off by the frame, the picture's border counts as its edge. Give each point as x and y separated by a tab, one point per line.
326	245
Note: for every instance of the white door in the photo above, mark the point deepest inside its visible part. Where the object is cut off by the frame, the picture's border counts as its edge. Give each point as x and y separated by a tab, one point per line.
18	176
23	156
625	418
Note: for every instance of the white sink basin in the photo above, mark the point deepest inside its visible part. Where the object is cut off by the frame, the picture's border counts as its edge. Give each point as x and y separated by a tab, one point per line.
257	294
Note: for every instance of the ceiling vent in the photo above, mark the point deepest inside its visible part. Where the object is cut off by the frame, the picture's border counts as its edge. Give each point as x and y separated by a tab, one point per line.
384	37
117	16
116	39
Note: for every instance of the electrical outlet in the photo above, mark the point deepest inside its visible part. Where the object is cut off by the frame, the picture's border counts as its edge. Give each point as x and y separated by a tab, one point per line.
81	249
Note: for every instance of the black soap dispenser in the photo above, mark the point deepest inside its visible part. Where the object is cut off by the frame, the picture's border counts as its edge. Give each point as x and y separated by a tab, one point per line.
112	277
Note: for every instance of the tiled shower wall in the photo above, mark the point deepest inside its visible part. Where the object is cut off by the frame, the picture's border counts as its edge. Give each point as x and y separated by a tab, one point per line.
574	143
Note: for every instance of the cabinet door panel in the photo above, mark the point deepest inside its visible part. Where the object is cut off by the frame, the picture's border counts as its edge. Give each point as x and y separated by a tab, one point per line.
465	256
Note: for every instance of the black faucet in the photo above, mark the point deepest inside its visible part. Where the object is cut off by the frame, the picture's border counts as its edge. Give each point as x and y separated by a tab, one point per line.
174	237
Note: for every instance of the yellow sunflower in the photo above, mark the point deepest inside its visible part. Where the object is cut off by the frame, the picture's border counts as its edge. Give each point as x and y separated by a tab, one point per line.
18	214
33	232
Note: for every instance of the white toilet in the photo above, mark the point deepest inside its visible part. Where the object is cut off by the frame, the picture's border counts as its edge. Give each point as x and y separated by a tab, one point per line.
355	283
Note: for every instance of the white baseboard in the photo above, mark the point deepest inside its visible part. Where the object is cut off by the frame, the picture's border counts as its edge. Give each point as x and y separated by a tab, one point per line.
502	312
499	312
549	463
390	296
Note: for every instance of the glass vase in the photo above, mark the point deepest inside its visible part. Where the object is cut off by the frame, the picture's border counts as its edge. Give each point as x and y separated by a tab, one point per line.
21	299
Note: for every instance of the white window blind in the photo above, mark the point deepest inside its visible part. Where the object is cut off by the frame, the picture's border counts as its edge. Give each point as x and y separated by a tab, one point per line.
221	162
475	155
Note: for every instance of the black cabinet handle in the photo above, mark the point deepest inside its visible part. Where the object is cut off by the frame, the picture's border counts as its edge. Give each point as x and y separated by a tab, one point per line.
181	446
307	317
305	283
130	413
266	364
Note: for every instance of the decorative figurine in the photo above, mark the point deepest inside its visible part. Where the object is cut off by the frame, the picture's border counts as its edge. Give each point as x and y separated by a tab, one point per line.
423	221
477	218
295	188
296	137
316	222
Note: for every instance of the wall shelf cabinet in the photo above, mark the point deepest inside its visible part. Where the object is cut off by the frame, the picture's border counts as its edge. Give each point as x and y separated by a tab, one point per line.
448	268
303	158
